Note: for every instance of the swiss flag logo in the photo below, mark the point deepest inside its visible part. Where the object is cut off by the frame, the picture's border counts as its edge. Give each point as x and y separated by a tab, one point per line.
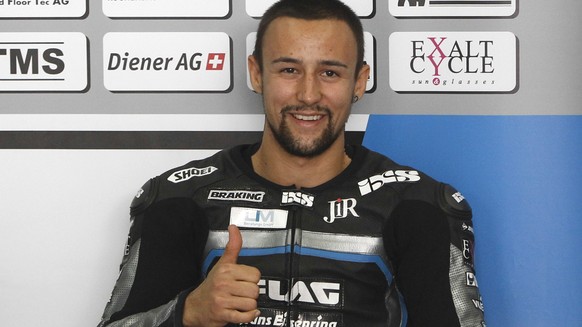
215	61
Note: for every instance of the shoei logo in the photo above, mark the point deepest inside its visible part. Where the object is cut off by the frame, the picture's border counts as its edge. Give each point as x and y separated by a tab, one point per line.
43	62
186	174
453	61
42	8
465	8
391	176
227	195
164	8
167	61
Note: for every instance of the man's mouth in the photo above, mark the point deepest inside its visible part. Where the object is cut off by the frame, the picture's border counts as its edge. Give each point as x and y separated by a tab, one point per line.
307	117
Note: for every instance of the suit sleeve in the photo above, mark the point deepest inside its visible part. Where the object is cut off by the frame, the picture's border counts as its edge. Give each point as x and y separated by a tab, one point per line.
430	244
161	263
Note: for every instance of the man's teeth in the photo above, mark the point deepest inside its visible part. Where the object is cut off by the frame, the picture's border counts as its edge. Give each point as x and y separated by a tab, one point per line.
305	117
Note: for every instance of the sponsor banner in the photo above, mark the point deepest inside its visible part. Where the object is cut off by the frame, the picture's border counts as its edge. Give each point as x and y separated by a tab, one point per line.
446	8
42	8
180	61
362	8
43	62
369	58
163	8
453	61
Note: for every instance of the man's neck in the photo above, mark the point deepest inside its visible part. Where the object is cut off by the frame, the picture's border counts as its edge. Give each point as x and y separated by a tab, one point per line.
275	164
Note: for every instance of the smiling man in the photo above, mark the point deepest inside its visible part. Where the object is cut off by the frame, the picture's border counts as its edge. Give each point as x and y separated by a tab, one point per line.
300	229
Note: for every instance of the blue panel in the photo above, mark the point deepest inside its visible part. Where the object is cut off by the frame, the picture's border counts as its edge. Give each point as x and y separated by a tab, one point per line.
522	176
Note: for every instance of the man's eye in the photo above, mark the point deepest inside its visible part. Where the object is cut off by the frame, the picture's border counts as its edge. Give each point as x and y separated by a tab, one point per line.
288	70
329	73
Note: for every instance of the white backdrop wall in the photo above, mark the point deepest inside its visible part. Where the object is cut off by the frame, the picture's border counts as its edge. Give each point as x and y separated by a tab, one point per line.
72	158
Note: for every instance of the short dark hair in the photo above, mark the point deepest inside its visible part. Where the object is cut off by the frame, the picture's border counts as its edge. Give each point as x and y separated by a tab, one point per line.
311	10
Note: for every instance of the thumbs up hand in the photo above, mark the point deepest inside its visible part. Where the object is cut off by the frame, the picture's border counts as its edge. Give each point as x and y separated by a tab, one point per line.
229	293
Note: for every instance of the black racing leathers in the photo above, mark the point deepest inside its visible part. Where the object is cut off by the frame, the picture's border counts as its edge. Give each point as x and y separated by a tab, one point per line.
379	245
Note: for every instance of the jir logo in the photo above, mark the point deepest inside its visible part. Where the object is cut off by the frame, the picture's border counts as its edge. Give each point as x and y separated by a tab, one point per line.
340	208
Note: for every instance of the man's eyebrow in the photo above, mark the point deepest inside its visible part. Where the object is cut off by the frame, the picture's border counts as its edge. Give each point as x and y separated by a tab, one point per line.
286	60
298	61
333	63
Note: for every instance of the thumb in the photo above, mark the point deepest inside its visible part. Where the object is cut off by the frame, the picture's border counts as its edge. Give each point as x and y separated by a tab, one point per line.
233	246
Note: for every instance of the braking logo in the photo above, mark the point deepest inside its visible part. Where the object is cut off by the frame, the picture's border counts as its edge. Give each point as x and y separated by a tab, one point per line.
391	176
186	174
233	195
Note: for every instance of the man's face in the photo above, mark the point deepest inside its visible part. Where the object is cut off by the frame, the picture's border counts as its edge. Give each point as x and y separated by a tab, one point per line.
308	81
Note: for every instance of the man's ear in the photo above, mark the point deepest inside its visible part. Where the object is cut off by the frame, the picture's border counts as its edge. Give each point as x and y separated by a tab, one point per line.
255	74
362	81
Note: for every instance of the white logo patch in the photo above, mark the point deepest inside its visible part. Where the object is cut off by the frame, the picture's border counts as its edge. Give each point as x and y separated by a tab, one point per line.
258	218
375	182
186	174
340	208
232	195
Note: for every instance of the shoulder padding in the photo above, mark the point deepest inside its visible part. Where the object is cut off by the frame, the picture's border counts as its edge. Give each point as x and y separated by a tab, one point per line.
453	202
144	197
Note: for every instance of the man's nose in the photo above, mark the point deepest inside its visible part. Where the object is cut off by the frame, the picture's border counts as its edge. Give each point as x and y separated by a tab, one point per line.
309	91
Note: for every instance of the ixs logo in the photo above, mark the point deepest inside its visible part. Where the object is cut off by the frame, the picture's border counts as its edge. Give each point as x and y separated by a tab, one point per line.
167	61
186	174
232	195
297	198
453	61
328	293
465	8
258	218
391	176
43	62
341	208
